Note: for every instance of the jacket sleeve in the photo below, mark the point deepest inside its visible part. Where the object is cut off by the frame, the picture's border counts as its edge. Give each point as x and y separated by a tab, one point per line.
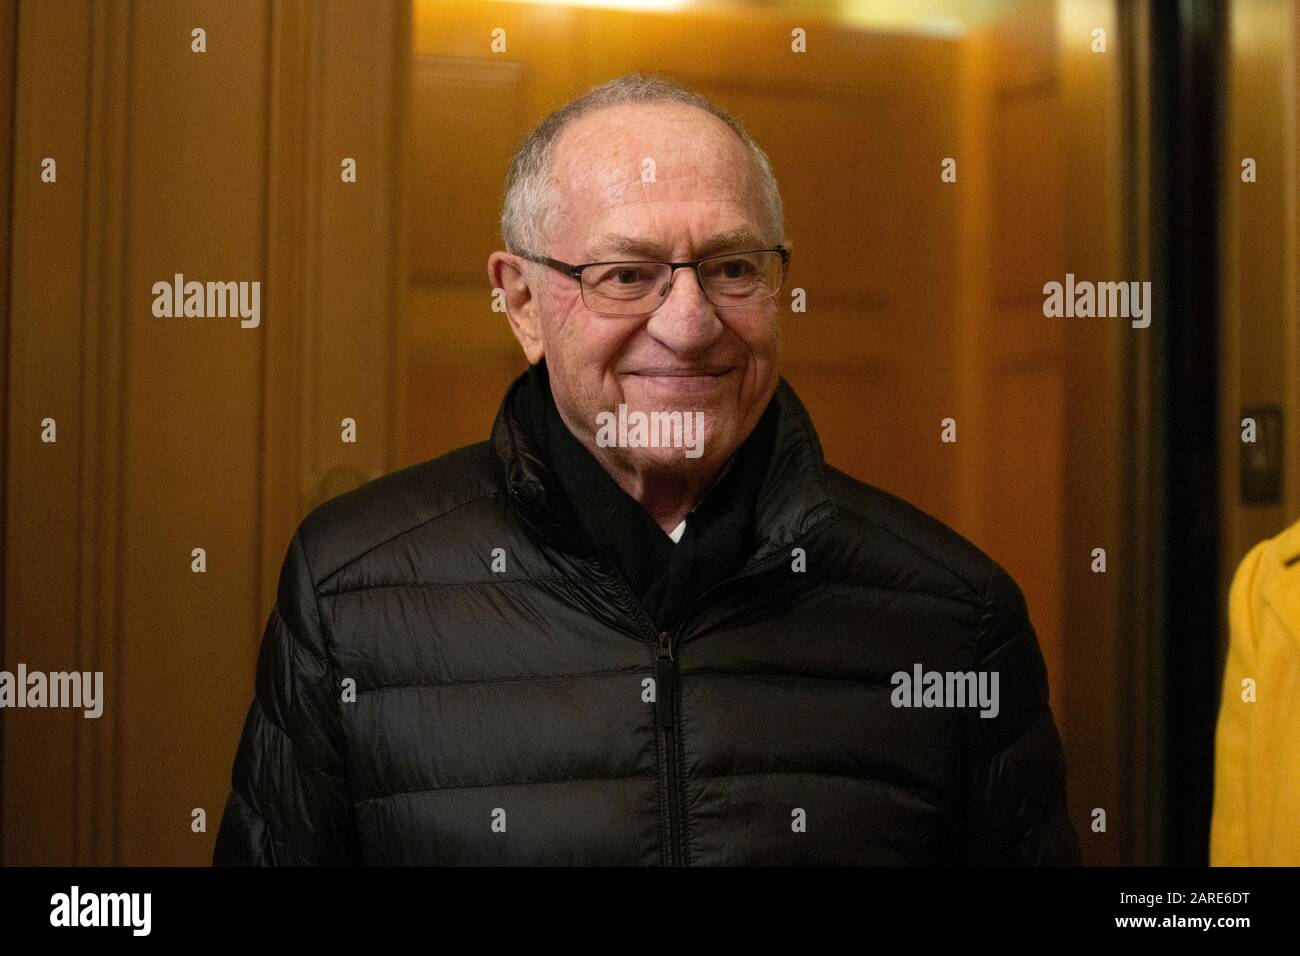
290	802
1013	767
1229	844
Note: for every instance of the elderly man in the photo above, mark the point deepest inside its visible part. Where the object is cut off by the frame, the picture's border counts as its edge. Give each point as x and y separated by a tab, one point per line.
645	623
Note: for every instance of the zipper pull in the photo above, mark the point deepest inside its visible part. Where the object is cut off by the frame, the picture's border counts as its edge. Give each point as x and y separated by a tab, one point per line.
665	671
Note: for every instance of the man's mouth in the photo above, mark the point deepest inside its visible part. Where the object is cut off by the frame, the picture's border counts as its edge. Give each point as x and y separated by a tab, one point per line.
682	373
682	383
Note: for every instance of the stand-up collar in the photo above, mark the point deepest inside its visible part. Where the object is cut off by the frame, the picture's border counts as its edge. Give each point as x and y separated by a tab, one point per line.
791	501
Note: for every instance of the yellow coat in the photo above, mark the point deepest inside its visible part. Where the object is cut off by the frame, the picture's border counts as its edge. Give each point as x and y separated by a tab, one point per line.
1256	818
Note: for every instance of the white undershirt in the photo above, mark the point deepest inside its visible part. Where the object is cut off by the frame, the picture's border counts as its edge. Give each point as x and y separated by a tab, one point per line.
676	533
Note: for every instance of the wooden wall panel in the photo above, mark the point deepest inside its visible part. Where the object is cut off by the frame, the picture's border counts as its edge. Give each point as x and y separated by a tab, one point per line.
8	54
1260	329
1028	403
190	400
1048	403
1028	188
178	433
463	108
43	584
360	269
869	444
457	395
1109	706
1012	242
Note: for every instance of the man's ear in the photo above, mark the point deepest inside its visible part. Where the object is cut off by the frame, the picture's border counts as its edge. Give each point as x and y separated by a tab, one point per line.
505	272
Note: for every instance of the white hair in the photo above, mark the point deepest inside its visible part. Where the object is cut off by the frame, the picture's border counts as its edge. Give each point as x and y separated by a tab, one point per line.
531	202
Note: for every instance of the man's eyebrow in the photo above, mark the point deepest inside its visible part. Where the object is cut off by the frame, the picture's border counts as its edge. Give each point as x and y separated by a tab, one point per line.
613	243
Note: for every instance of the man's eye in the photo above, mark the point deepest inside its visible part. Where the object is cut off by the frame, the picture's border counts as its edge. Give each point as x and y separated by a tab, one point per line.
741	267
623	276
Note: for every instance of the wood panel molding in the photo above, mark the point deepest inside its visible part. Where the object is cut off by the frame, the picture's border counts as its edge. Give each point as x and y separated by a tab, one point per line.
336	262
64	503
101	540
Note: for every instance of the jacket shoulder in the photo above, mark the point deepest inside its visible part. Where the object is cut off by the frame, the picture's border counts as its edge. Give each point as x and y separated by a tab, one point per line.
899	541
343	529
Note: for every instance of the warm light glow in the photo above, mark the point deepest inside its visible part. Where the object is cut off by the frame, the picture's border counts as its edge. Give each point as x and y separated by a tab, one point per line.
618	4
948	18
943	18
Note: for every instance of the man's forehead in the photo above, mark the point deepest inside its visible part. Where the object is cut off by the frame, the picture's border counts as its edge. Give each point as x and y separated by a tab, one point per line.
607	152
621	243
601	158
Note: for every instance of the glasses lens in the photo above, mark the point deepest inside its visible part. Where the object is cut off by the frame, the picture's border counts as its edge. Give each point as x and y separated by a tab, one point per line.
741	278
624	288
638	288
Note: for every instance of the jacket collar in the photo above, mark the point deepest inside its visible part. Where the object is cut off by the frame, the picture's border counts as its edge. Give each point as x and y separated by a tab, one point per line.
791	501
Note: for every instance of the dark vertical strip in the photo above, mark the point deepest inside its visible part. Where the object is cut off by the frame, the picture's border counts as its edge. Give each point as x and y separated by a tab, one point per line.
1188	63
8	130
1144	695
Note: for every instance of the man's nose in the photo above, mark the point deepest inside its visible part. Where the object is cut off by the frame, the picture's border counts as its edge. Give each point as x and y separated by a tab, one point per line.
686	321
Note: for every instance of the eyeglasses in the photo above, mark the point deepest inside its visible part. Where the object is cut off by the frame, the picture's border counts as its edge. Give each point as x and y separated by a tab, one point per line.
629	288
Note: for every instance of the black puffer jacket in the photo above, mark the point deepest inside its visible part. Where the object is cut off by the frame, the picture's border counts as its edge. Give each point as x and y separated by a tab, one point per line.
414	705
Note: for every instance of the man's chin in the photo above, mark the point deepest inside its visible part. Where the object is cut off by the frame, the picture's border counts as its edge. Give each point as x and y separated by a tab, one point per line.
660	438
669	460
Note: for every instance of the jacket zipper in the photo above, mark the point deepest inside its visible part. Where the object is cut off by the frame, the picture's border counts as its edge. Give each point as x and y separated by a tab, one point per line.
666	676
665	689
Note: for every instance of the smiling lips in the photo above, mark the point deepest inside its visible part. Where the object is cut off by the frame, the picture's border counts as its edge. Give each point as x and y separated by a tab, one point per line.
683	379
681	372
